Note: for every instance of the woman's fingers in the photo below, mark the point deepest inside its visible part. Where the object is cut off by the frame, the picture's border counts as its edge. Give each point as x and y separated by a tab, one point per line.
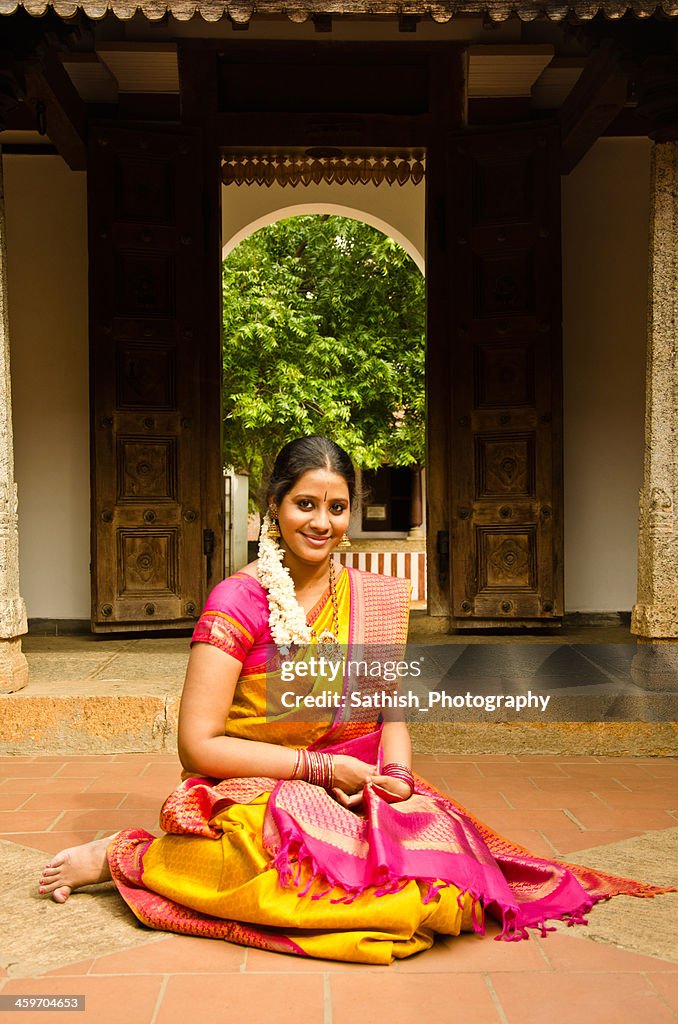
347	800
350	773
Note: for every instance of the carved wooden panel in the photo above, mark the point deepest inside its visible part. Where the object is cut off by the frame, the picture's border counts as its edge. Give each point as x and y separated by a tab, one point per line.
503	374
503	185
506	408
145	377
147	365
505	465
147	469
148	563
144	190
507	559
144	284
503	284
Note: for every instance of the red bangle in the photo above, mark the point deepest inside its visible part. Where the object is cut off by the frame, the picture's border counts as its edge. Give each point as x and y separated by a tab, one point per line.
298	772
401	772
314	766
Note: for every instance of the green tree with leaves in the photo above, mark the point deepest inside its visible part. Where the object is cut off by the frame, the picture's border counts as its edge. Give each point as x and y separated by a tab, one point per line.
324	333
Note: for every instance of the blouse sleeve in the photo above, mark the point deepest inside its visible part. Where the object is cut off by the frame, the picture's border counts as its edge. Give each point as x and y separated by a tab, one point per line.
231	618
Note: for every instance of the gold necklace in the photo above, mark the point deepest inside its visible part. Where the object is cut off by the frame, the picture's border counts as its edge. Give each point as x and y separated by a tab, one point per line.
327	642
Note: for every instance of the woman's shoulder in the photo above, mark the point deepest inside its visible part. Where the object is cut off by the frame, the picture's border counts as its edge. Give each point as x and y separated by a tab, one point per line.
238	593
235	616
247	574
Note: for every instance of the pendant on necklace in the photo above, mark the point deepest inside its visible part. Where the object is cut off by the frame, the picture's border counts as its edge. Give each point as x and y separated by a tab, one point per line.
328	646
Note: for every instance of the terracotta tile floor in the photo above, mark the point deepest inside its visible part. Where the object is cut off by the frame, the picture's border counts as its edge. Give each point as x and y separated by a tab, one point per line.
553	805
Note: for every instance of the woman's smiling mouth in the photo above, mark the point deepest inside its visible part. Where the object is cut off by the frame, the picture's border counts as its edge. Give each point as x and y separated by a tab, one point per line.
317	542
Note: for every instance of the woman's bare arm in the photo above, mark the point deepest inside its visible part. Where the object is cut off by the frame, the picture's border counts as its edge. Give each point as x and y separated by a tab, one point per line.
397	748
396	743
211	678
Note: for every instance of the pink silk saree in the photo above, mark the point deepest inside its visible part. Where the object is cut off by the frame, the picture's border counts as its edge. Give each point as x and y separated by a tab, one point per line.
329	856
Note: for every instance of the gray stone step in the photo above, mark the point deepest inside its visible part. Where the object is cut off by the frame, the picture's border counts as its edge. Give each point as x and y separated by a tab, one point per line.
88	696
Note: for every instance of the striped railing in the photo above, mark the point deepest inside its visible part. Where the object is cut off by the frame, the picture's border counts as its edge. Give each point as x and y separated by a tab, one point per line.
409	565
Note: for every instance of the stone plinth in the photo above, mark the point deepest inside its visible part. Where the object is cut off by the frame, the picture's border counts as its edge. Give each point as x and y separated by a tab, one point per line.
655	667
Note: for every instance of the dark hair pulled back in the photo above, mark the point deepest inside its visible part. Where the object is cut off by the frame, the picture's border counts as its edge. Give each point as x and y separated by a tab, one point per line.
304	454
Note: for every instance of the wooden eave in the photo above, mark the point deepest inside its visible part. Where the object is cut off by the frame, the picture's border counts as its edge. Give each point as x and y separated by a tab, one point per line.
242	11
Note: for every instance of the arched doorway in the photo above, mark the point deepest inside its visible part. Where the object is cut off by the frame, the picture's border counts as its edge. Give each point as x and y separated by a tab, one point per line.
324	332
411	242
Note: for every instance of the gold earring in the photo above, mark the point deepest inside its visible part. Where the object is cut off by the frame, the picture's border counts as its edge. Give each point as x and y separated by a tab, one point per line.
345	543
273	531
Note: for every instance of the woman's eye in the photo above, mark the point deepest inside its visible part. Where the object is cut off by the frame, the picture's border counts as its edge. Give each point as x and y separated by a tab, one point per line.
305	503
338	509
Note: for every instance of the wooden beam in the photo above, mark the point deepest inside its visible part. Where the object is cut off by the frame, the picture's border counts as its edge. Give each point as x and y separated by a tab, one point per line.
305	130
596	99
322	22
58	108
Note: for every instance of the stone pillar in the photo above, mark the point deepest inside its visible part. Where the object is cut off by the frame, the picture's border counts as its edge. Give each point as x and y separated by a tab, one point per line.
655	615
13	665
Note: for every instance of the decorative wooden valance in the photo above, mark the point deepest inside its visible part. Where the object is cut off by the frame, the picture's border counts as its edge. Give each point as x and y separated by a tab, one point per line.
296	170
242	11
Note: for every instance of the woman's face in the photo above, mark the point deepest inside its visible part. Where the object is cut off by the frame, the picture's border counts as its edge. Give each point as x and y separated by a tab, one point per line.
314	516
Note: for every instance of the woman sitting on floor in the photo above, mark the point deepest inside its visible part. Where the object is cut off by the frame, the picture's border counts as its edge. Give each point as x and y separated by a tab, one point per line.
306	832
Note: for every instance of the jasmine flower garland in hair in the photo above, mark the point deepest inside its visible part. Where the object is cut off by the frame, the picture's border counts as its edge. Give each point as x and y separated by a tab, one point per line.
286	618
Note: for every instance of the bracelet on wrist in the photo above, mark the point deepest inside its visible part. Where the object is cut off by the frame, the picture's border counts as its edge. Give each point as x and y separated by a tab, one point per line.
297	771
314	766
394	770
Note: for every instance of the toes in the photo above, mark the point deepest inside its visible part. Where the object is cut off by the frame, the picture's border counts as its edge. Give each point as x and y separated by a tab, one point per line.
48	871
61	894
47	886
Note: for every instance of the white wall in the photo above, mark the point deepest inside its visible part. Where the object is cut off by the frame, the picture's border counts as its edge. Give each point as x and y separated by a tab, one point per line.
47	281
605	277
397	210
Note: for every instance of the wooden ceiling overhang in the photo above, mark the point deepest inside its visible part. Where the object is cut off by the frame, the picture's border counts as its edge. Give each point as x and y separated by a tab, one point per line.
242	11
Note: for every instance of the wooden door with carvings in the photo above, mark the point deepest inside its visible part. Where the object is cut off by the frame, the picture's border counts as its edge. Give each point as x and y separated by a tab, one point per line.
146	254
506	380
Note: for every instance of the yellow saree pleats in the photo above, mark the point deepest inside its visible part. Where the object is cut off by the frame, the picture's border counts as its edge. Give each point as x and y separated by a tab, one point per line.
227	878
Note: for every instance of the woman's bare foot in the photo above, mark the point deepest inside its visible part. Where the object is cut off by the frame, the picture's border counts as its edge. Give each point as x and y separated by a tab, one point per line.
79	865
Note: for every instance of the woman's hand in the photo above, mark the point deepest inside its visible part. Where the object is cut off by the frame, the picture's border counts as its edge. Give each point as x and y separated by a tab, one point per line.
395	787
351	774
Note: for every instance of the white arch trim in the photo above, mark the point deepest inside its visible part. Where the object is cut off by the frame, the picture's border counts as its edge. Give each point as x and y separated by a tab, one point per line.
323	208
